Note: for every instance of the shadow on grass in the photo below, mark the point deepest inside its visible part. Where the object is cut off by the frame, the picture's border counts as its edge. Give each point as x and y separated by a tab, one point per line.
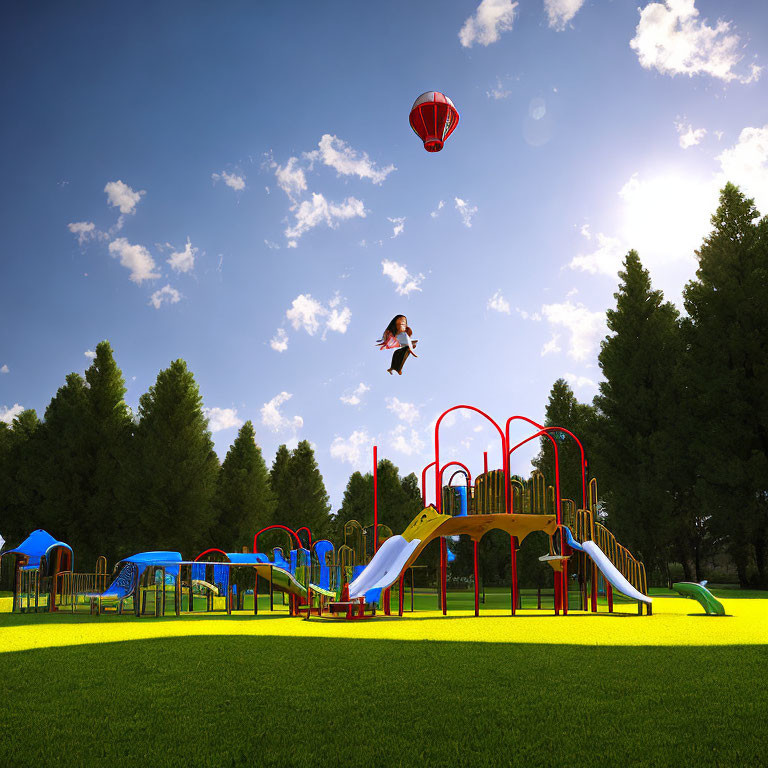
275	701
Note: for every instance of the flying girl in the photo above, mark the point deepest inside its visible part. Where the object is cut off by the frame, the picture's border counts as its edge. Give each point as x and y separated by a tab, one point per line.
397	336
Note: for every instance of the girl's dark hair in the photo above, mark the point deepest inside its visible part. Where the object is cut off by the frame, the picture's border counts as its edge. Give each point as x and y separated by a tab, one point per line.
392	327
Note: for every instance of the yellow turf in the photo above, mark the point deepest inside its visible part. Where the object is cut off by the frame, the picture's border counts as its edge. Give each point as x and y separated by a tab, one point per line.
676	621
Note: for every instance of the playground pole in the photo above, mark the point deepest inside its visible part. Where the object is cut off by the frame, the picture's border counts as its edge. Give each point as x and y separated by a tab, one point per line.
477	585
375	500
514	574
593	588
444	573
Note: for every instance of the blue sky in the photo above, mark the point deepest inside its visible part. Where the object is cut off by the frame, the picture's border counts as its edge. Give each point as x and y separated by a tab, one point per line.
236	184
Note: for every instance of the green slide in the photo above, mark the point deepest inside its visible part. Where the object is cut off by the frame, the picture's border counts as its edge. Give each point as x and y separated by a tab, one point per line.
709	602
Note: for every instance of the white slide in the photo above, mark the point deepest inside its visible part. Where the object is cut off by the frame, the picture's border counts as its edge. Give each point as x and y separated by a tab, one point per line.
609	570
385	567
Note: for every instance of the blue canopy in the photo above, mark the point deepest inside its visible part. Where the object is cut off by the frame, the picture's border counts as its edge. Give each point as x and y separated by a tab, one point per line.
147	558
247	557
37	544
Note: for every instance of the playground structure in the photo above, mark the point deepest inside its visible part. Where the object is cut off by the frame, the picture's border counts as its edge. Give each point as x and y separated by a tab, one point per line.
355	580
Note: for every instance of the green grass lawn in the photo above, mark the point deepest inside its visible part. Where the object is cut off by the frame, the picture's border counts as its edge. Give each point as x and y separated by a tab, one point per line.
268	700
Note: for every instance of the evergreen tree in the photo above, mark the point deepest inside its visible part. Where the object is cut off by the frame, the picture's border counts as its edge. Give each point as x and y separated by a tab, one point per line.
280	482
637	403
19	487
357	504
564	410
399	500
244	502
305	491
66	466
174	466
727	305
108	429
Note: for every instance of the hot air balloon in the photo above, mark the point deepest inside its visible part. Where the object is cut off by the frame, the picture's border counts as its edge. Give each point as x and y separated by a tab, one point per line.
433	118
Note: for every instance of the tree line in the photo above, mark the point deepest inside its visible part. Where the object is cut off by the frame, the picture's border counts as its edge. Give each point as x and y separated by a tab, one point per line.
678	433
110	482
677	436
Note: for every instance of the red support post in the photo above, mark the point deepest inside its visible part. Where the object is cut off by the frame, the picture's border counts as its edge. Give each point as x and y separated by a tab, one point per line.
477	585
514	574
485	462
609	595
375	500
558	587
400	595
444	575
564	576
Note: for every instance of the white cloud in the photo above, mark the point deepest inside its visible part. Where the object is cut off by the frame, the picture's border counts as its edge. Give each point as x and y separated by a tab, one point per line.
271	245
746	164
689	136
222	418
465	211
309	214
399	226
291	178
407	412
274	420
305	312
404	441
579	382
499	303
122	196
399	275
85	230
585	231
9	414
165	295
585	328
436	212
357	394
308	313
354	450
90	354
183	261
346	161
535	316
671	39
498	92
560	12
136	258
233	181
5	369
490	19
605	260
552	347
448	421
280	341
338	316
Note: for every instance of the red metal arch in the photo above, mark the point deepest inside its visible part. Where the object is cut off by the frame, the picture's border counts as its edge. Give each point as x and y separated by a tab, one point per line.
212	549
269	528
555	429
457	464
424	483
438	475
540	433
309	536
